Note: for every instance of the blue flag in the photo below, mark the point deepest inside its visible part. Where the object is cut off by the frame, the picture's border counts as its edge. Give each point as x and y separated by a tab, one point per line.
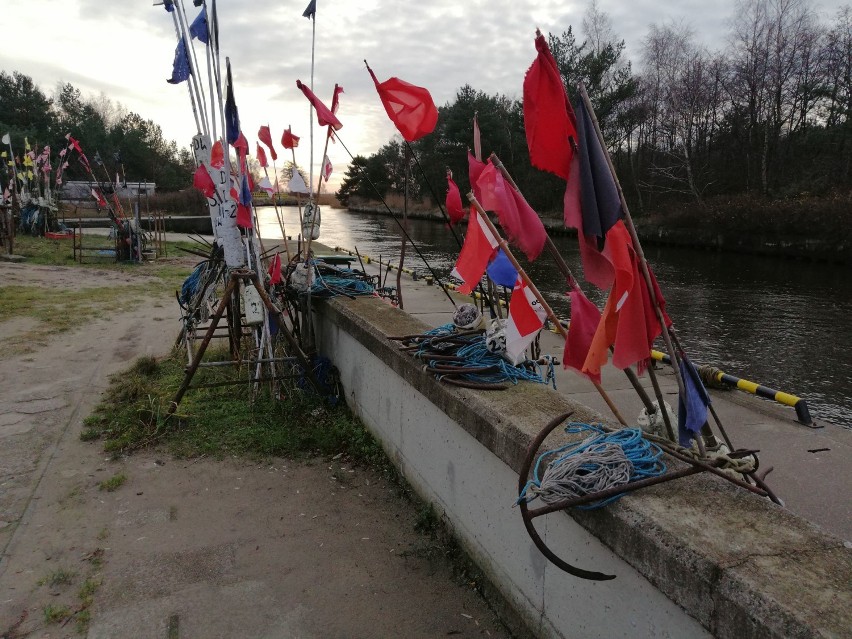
232	116
169	5
311	11
245	191
181	69
198	28
501	270
692	409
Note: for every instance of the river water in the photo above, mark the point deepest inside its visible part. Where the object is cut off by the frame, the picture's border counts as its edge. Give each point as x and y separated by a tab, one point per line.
781	323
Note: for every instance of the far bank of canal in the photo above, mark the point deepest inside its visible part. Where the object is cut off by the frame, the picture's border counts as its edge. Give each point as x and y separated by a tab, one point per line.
779	322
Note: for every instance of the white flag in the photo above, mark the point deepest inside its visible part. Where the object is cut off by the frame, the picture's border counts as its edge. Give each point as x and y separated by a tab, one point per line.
297	184
265	185
526	317
7	139
326	168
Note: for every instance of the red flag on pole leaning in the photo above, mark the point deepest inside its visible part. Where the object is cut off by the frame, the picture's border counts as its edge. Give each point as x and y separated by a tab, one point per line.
261	157
275	270
479	247
522	225
99	198
202	181
241	144
288	140
585	318
265	136
327	168
526	317
409	107
474	170
325	117
335	105
549	120
217	155
629	322
453	202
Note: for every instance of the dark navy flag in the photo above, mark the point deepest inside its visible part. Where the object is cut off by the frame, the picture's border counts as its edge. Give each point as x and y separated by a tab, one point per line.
501	270
692	409
232	116
198	28
181	69
311	11
169	5
600	203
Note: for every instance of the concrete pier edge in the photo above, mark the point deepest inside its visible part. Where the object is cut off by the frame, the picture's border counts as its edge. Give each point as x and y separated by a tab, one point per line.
735	563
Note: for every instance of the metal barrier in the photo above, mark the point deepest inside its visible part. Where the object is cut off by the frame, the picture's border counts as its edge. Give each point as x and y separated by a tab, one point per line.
799	404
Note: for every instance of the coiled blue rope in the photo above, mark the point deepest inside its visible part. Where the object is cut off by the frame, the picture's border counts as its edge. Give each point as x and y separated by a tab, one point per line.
475	354
644	457
192	284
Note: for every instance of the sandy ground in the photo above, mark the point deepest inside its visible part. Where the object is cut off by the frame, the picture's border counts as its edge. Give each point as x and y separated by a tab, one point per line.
195	548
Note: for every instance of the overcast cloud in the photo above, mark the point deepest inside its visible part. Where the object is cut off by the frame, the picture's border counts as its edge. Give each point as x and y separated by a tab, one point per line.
125	49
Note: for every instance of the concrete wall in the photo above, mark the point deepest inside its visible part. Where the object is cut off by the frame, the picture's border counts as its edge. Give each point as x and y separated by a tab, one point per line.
693	558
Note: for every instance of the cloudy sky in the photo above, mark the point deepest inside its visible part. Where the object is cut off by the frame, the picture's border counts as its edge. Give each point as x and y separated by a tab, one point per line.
125	49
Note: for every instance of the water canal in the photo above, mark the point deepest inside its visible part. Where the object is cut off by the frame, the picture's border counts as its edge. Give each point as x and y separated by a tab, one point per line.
782	323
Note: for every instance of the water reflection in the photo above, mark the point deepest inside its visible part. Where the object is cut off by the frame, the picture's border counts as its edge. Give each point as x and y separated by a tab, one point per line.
781	323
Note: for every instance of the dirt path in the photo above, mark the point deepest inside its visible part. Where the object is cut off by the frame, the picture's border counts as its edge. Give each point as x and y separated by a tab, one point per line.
193	548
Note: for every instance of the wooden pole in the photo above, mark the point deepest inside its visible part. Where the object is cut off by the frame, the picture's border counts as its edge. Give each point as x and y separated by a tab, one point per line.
534	290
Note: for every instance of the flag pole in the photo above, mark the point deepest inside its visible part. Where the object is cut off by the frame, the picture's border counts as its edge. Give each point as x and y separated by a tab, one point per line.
193	65
311	112
534	290
275	202
563	267
319	188
643	263
296	168
198	127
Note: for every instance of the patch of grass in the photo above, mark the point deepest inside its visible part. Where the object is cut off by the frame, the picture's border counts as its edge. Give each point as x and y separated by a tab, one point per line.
113	483
87	591
59	577
103	533
218	421
56	614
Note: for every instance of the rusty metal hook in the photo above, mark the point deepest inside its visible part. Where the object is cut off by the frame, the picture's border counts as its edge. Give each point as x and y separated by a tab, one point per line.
535	444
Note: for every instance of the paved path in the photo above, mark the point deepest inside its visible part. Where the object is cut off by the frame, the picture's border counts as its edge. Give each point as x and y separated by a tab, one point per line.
195	548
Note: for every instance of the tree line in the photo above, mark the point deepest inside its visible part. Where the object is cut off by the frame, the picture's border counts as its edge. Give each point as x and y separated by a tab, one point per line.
101	125
767	116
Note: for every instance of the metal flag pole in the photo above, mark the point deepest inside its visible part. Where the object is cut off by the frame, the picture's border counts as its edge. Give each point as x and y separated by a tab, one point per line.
534	290
193	65
311	107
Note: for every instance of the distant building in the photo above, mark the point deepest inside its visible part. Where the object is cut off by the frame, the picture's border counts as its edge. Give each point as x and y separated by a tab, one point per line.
80	190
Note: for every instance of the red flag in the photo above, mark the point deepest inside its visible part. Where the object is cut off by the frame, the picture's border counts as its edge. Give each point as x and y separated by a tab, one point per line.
244	216
261	157
203	182
526	317
100	198
549	120
335	99
585	318
74	143
474	170
325	117
479	247
241	144
217	155
288	140
409	107
522	225
629	322
275	270
265	136
454	204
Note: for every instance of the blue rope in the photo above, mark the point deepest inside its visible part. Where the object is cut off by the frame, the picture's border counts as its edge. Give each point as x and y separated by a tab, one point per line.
475	354
645	456
332	285
192	284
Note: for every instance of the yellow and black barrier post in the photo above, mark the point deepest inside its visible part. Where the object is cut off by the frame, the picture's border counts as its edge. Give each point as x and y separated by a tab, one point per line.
797	403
